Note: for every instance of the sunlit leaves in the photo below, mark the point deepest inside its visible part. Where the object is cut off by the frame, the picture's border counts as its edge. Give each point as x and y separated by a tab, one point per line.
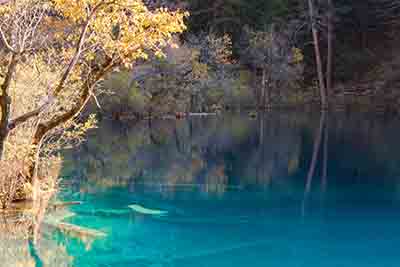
297	55
123	28
82	41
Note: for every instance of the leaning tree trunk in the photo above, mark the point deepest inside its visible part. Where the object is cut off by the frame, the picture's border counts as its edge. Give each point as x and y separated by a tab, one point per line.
324	102
44	128
5	110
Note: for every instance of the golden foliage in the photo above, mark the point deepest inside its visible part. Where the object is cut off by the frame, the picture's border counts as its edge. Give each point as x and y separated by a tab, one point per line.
122	28
297	55
63	50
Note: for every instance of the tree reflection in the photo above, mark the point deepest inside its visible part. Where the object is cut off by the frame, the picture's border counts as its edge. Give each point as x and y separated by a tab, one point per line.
214	153
217	153
321	133
35	235
20	242
287	156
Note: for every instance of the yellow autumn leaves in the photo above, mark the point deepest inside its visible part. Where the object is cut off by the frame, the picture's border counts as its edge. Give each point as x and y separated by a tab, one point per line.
123	28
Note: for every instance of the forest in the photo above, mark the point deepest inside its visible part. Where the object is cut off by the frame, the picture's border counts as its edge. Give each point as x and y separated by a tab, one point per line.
247	55
65	65
130	130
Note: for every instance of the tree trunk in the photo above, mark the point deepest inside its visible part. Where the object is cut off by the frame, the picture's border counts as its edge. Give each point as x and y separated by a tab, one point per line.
191	102
324	102
262	101
44	128
260	167
5	101
325	157
330	48
314	161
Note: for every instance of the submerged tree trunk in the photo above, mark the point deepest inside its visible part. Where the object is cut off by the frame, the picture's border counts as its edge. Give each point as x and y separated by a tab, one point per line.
314	160
325	157
316	149
260	167
318	60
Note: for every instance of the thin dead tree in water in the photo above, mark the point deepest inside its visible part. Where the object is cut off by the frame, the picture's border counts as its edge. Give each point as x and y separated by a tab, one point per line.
261	168
314	160
318	58
329	63
325	156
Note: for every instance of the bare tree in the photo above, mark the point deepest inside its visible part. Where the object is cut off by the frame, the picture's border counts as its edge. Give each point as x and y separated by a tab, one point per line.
273	52
330	14
18	37
317	49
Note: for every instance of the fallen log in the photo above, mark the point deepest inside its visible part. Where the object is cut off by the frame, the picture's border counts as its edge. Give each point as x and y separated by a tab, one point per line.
79	231
142	210
56	221
202	114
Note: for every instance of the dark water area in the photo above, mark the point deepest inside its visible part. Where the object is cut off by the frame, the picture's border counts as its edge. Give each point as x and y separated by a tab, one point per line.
282	189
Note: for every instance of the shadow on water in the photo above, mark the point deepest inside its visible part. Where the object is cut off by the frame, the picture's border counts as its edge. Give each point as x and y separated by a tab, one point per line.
289	188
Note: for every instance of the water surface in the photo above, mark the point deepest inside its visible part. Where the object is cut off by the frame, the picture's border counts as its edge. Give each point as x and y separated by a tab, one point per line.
236	191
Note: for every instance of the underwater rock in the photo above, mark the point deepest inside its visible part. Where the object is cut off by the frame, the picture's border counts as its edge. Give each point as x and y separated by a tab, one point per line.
143	210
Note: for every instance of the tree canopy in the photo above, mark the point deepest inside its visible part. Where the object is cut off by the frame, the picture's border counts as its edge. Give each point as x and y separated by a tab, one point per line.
82	42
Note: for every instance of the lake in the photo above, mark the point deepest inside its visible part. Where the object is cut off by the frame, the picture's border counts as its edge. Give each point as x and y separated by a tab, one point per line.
282	189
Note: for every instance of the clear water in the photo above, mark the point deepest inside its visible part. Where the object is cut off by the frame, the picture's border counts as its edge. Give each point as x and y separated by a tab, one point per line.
238	192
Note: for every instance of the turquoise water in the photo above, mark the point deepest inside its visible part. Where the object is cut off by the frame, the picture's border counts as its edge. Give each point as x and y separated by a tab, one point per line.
235	191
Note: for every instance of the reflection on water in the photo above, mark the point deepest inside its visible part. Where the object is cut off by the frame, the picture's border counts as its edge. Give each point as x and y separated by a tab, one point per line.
284	189
23	245
274	151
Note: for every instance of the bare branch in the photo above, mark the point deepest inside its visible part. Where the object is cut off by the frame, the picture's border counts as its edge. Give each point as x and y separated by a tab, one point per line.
4	40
